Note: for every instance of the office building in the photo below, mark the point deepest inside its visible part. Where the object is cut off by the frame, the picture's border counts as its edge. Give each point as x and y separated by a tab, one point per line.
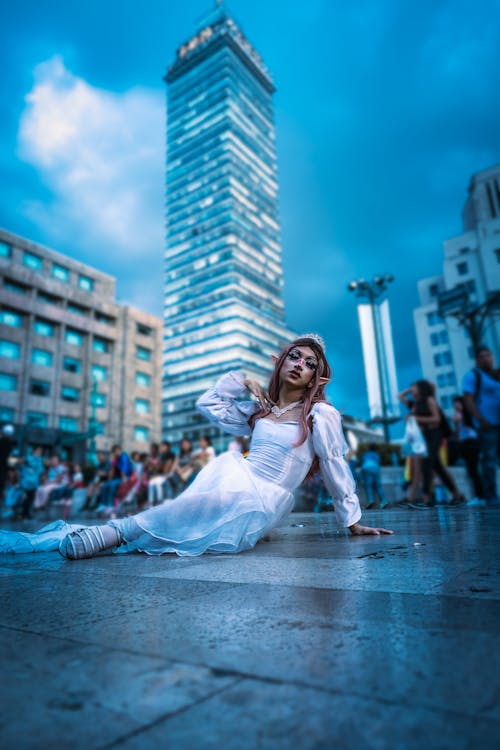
223	268
471	261
72	361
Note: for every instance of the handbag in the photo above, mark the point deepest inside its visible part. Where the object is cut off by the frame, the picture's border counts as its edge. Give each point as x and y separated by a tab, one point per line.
413	442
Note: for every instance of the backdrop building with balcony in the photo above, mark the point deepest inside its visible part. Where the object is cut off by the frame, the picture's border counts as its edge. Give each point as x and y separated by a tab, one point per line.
72	360
223	267
471	277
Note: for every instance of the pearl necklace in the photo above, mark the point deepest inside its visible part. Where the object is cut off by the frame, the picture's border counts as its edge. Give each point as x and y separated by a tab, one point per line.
279	412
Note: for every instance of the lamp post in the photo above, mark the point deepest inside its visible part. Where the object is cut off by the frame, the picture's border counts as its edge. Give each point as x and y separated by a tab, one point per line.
373	291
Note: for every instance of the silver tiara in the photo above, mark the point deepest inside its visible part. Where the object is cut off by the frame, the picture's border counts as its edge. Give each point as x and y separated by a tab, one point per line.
316	338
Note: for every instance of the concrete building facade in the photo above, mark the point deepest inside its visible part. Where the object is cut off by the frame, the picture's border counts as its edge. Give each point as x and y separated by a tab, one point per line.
471	260
72	361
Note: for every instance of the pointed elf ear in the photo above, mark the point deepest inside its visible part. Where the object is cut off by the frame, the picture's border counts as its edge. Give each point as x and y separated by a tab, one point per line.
274	358
324	381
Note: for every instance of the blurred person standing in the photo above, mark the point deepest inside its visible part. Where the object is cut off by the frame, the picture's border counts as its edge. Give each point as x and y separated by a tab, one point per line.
430	419
481	389
468	448
372	477
32	468
414	446
6	446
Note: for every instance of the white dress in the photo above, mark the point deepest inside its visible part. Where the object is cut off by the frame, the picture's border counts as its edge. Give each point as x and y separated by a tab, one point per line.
233	501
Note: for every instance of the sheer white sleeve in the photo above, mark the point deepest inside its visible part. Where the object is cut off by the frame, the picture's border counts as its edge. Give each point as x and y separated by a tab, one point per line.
330	447
220	407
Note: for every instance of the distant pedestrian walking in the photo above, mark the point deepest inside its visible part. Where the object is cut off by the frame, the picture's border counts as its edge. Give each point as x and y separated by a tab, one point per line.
468	448
481	387
372	479
431	421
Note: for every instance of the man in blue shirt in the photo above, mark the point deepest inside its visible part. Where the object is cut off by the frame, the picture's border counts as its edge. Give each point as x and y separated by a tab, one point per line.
481	388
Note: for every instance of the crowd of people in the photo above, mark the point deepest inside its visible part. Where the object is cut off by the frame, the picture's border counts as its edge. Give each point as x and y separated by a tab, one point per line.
118	483
121	483
473	437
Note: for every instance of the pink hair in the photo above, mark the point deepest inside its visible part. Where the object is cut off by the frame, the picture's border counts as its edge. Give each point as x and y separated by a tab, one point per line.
314	393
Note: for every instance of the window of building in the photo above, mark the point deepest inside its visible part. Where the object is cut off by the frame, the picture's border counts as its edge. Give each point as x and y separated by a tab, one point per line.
98	400
446	401
70	394
99	373
141	433
470	285
100	345
5	250
462	268
32	261
60	272
72	365
42	357
450	378
433	290
84	282
43	327
6	414
433	319
143	353
39	387
143	379
68	424
143	329
15	286
10	349
49	299
9	318
443	358
142	406
438	338
497	253
102	318
37	418
441	380
75	338
8	382
76	309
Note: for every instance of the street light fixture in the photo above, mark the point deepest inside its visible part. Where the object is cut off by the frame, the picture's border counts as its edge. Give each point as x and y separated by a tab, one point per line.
373	291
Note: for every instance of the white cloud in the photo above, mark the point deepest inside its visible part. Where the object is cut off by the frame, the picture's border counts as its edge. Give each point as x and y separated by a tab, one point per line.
102	156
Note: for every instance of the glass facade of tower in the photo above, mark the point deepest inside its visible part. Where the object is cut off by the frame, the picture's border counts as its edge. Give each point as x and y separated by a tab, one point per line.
223	273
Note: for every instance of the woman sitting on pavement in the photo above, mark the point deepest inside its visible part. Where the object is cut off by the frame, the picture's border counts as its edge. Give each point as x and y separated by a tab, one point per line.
234	502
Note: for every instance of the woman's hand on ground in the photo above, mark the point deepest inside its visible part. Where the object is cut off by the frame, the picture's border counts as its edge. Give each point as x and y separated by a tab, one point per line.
357	530
257	391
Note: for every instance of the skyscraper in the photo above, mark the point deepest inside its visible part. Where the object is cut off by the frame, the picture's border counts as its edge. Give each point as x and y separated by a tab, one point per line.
223	277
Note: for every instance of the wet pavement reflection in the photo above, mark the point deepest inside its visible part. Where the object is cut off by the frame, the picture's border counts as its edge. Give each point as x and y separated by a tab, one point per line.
313	640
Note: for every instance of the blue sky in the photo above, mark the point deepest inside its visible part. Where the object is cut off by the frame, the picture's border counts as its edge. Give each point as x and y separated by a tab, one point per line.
384	110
